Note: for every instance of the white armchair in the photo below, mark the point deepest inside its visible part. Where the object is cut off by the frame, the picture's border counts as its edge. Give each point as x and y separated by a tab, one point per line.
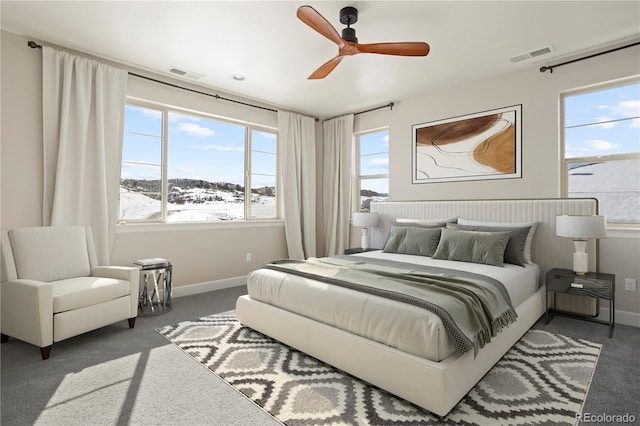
52	288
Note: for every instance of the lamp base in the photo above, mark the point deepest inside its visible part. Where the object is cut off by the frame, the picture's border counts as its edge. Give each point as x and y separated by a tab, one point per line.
580	258
365	238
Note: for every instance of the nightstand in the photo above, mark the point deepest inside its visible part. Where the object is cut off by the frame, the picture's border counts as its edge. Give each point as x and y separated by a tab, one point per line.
357	250
592	284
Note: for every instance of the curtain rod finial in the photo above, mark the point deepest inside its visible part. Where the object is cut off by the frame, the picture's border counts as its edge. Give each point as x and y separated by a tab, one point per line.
32	44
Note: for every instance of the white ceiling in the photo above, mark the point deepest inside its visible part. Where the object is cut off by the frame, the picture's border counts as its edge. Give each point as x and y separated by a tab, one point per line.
264	40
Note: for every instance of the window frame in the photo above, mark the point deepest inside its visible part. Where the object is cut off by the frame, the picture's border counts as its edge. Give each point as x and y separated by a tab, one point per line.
165	110
567	162
357	175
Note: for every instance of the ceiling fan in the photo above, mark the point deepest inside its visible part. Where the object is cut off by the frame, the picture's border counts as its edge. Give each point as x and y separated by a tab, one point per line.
348	43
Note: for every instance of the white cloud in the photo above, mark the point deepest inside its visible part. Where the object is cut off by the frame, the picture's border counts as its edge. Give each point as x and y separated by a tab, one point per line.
194	129
267	135
604	124
146	112
629	108
599	145
379	162
138	164
185	170
217	147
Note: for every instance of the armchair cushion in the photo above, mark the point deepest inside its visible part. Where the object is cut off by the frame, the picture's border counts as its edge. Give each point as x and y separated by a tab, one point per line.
75	293
50	253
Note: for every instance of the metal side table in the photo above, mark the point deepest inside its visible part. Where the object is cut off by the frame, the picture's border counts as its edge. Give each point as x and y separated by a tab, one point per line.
155	289
593	284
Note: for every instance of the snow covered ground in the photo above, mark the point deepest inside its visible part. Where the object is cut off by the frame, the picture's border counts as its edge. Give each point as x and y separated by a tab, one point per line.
137	206
597	180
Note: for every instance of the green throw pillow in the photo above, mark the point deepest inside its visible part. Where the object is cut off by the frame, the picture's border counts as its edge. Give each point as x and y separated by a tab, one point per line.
514	253
412	240
472	246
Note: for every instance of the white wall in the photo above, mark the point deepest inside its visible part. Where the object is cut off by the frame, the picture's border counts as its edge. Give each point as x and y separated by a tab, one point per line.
211	256
215	253
539	95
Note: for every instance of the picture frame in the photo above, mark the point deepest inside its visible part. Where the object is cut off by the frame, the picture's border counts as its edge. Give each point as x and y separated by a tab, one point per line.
480	146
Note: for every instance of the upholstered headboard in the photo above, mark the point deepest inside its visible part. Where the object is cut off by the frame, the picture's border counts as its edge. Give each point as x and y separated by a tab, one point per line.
548	251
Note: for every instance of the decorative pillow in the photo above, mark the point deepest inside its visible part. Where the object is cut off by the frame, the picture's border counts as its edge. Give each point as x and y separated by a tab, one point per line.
472	246
412	240
420	224
514	253
532	231
427	221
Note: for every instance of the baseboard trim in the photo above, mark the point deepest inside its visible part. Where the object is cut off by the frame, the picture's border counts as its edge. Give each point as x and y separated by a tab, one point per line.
191	289
622	317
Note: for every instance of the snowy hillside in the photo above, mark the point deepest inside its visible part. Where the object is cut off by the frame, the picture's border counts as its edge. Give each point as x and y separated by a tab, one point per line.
189	204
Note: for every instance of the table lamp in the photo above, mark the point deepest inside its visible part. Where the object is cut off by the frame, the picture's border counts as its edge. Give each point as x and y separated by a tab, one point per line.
581	228
366	220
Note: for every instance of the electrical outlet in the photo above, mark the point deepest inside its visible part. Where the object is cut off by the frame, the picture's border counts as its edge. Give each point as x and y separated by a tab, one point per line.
248	257
630	284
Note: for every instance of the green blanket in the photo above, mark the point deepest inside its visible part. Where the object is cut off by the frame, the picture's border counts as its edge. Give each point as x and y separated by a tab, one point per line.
472	310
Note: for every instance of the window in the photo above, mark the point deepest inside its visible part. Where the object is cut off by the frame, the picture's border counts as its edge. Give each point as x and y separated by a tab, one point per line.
602	149
372	153
186	167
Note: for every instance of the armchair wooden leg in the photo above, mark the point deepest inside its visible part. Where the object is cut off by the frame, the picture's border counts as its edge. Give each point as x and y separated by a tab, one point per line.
4	338
45	352
132	322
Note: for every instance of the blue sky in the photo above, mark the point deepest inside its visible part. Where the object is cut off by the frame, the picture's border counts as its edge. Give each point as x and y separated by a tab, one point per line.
607	136
374	159
199	148
211	150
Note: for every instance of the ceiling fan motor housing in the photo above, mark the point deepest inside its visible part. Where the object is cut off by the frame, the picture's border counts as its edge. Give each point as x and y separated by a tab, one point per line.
349	34
348	15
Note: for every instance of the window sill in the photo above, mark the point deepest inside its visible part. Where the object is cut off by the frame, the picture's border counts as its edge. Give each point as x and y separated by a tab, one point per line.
132	227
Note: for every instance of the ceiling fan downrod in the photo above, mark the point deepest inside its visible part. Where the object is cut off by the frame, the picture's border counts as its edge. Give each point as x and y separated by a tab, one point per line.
348	16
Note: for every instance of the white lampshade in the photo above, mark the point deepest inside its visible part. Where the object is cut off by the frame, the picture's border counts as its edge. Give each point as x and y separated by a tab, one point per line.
365	219
581	227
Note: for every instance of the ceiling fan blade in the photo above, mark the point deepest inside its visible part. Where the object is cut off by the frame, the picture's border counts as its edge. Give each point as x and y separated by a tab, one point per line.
312	18
411	48
326	68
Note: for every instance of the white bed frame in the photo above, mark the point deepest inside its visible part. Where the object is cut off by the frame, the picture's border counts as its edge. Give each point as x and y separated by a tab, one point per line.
434	386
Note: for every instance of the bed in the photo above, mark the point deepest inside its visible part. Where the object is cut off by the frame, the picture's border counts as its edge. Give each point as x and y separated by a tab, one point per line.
400	347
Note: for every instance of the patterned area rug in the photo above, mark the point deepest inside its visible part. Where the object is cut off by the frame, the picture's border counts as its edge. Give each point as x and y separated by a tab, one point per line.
543	379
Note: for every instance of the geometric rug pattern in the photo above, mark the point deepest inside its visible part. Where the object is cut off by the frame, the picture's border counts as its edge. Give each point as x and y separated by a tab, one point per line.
543	379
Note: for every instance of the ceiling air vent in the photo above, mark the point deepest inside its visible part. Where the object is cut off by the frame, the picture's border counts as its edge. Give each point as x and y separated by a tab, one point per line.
186	74
532	54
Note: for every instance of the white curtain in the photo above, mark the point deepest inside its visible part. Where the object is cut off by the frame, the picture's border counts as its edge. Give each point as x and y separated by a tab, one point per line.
83	116
297	151
338	145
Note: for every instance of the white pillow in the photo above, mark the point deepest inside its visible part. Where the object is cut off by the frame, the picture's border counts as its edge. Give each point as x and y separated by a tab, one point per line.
527	244
426	221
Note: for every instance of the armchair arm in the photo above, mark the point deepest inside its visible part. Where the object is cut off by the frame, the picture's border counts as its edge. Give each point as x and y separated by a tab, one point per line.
126	273
27	311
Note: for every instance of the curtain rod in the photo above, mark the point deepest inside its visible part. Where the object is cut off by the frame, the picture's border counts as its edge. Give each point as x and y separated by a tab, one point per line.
34	45
389	105
551	67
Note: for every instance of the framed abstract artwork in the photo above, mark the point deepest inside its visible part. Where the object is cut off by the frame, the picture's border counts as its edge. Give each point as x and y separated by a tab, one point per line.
480	146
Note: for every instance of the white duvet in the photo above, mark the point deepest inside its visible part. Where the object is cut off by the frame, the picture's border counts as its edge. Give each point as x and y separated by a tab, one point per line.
406	327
